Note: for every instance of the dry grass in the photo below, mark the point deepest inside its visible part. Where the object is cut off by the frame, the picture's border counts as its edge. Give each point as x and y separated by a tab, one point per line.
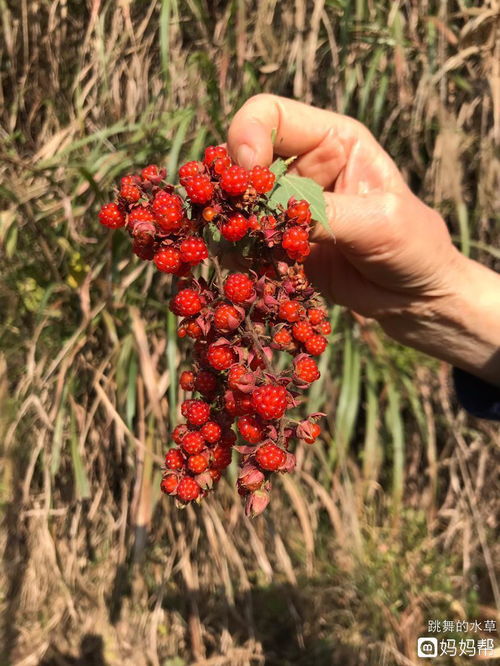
359	550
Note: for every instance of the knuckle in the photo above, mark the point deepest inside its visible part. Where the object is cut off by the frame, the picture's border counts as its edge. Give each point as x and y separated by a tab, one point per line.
261	99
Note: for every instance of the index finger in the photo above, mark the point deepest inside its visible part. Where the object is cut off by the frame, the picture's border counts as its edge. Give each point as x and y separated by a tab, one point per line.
299	128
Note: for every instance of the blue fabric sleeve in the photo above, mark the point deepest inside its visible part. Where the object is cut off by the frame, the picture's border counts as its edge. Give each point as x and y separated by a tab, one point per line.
476	396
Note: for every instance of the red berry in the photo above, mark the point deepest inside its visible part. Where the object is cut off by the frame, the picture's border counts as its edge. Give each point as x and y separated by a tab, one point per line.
185	406
221	456
238	288
316	345
186	380
186	303
215	474
240	378
257	362
270	457
179	432
234	375
316	316
238	403
205	382
294	238
153	174
243	403
140	214
211	432
250	429
307	370
298	212
231	404
199	189
193	250
209	214
168	260
302	330
220	357
324	327
299	255
168	211
169	484
198	412
226	318
315	432
253	223
112	216
212	153
221	164
174	459
144	249
191	328
296	243
131	193
290	311
269	401
130	179
197	464
262	179
250	480
235	228
188	490
234	180
193	442
190	170
283	338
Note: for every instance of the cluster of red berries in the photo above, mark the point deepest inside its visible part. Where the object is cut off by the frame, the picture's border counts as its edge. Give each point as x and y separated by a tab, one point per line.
237	321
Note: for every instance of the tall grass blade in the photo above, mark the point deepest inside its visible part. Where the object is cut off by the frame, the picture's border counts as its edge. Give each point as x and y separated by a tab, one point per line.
371	446
164	27
349	398
82	486
394	424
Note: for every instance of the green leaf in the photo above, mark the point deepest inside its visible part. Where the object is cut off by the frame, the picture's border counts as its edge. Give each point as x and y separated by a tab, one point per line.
215	234
278	167
301	188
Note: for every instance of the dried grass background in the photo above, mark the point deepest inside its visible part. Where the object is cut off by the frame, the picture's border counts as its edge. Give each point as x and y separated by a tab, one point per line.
391	519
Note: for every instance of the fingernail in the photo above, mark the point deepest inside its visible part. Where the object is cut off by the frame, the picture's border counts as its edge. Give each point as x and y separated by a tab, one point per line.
245	156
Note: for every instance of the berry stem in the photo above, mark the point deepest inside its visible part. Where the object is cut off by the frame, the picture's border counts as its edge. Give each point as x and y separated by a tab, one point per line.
255	339
218	272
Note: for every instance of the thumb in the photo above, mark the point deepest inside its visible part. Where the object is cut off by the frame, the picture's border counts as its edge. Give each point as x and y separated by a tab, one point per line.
361	224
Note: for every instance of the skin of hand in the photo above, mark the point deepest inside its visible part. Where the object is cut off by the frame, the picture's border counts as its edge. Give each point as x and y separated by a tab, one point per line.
388	256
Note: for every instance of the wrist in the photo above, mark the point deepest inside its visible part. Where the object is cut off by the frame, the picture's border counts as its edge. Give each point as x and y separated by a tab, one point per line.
461	326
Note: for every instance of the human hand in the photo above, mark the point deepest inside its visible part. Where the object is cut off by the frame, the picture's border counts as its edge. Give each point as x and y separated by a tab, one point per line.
389	256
